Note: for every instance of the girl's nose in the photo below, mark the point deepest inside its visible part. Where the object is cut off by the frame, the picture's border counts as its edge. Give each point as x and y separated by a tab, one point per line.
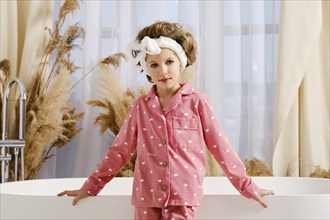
163	70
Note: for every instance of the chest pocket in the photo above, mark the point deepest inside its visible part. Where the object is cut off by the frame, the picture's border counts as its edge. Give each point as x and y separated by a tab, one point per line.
185	132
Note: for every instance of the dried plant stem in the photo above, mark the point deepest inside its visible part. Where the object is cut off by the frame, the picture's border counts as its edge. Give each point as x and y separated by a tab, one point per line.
113	60
40	74
83	77
50	75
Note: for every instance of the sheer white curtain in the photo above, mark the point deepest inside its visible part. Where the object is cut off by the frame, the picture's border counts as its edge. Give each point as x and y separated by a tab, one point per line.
236	67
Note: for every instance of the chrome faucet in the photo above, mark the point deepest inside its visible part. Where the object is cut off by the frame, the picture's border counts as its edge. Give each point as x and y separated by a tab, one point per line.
6	143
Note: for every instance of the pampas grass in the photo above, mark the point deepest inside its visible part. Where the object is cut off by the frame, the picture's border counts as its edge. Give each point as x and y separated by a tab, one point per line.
51	122
44	123
213	168
256	167
116	101
320	173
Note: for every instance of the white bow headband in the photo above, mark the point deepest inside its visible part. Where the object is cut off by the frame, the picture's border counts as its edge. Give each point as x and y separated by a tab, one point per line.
137	51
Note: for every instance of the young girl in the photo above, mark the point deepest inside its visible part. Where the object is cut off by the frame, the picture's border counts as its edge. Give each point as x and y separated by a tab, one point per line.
168	128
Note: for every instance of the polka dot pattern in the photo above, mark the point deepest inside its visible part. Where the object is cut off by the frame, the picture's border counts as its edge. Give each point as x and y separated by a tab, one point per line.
170	164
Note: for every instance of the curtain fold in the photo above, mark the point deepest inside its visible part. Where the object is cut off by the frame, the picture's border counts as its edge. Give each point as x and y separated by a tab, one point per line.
8	39
301	134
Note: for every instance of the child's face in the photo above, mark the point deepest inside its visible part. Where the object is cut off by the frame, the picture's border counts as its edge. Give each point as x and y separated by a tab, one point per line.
164	69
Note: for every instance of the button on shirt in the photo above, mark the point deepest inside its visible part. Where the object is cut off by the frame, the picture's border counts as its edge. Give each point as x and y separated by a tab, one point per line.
171	157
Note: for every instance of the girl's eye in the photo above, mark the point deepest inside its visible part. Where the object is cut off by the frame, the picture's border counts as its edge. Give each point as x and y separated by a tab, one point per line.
154	65
169	62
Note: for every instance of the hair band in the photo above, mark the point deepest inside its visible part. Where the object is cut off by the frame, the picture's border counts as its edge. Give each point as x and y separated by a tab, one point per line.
137	52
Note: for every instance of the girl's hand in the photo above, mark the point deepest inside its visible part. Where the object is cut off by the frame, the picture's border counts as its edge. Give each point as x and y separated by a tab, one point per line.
79	194
260	193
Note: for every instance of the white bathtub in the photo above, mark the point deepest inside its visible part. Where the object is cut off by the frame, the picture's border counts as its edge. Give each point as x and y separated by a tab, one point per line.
296	198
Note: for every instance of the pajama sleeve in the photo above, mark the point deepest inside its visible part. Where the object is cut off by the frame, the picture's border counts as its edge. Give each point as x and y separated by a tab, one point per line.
117	156
220	147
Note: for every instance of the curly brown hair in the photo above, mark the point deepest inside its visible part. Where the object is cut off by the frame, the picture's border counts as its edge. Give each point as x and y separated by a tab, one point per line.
175	32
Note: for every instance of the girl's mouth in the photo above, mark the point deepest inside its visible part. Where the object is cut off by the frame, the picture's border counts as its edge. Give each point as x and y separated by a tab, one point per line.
164	80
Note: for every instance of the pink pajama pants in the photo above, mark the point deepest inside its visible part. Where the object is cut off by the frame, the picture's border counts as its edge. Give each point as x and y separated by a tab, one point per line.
168	213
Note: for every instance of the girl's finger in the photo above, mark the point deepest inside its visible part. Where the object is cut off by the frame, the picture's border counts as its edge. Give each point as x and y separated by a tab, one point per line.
260	201
267	192
75	201
62	193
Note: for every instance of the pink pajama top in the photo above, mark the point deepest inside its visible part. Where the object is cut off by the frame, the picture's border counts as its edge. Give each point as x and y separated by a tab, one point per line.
171	154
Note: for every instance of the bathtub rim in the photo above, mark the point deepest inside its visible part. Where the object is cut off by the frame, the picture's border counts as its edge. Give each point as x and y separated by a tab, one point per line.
128	181
211	206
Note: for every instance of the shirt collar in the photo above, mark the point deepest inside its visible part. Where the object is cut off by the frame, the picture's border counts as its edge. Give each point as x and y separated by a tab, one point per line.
185	89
